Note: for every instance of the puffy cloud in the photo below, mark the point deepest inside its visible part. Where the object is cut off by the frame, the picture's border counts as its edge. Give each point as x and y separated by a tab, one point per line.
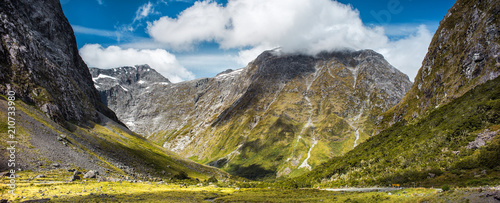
204	21
299	25
296	26
111	57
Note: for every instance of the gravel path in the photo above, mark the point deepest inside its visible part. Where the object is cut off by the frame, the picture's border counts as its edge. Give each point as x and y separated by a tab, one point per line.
368	189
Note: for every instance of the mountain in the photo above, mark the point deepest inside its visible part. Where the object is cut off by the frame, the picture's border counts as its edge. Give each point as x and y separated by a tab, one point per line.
57	120
456	144
119	86
446	129
40	62
282	115
463	53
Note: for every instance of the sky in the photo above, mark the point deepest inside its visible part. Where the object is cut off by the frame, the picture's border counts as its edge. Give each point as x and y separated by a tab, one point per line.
187	39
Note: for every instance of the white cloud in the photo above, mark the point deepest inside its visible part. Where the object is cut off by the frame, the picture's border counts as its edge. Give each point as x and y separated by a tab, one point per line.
204	21
300	25
143	11
247	55
407	54
93	31
111	57
296	26
100	2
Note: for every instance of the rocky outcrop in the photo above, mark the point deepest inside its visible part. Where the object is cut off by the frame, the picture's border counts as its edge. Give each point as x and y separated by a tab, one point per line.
482	138
39	60
463	54
291	110
120	89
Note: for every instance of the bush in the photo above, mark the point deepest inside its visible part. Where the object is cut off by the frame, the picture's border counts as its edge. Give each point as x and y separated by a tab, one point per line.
445	188
212	180
181	176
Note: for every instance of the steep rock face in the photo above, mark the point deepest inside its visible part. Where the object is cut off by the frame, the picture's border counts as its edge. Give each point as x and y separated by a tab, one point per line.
119	86
281	115
464	53
39	60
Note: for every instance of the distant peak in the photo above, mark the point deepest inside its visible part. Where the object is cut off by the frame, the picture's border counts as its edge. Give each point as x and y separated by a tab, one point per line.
131	74
225	72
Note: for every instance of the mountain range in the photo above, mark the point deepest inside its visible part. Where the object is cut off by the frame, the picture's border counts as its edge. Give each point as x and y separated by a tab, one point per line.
283	114
337	118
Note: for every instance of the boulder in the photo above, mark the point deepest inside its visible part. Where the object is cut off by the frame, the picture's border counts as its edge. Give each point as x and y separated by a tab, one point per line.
74	177
91	174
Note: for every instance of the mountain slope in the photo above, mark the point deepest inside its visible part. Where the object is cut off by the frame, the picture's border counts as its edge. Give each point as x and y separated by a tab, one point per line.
57	119
107	147
457	143
446	128
463	53
280	116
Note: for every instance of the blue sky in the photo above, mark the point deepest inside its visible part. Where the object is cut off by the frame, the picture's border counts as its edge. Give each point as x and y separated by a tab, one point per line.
185	39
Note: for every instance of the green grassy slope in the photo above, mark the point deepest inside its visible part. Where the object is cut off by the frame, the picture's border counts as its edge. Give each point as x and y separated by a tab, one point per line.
107	147
431	150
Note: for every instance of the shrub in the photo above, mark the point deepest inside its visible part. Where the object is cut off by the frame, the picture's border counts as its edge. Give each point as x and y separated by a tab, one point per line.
445	188
181	176
213	180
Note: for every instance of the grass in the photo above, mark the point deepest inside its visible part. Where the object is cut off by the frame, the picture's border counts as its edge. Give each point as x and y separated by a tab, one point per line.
90	190
55	187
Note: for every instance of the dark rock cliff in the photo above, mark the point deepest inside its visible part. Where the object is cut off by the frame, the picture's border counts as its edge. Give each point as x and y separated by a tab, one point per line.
39	60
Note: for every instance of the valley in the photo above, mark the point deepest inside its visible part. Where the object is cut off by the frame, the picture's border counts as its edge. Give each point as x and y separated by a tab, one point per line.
337	125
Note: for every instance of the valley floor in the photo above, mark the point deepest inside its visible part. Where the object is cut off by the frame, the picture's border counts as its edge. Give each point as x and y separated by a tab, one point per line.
53	188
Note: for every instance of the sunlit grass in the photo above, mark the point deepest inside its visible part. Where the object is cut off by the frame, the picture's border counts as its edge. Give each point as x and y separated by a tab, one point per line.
56	187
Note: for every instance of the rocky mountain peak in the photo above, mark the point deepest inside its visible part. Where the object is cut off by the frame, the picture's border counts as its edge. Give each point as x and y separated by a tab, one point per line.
127	75
272	65
119	88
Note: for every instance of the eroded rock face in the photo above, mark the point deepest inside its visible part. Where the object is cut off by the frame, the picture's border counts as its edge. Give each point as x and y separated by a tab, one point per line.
463	54
120	89
293	111
39	60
